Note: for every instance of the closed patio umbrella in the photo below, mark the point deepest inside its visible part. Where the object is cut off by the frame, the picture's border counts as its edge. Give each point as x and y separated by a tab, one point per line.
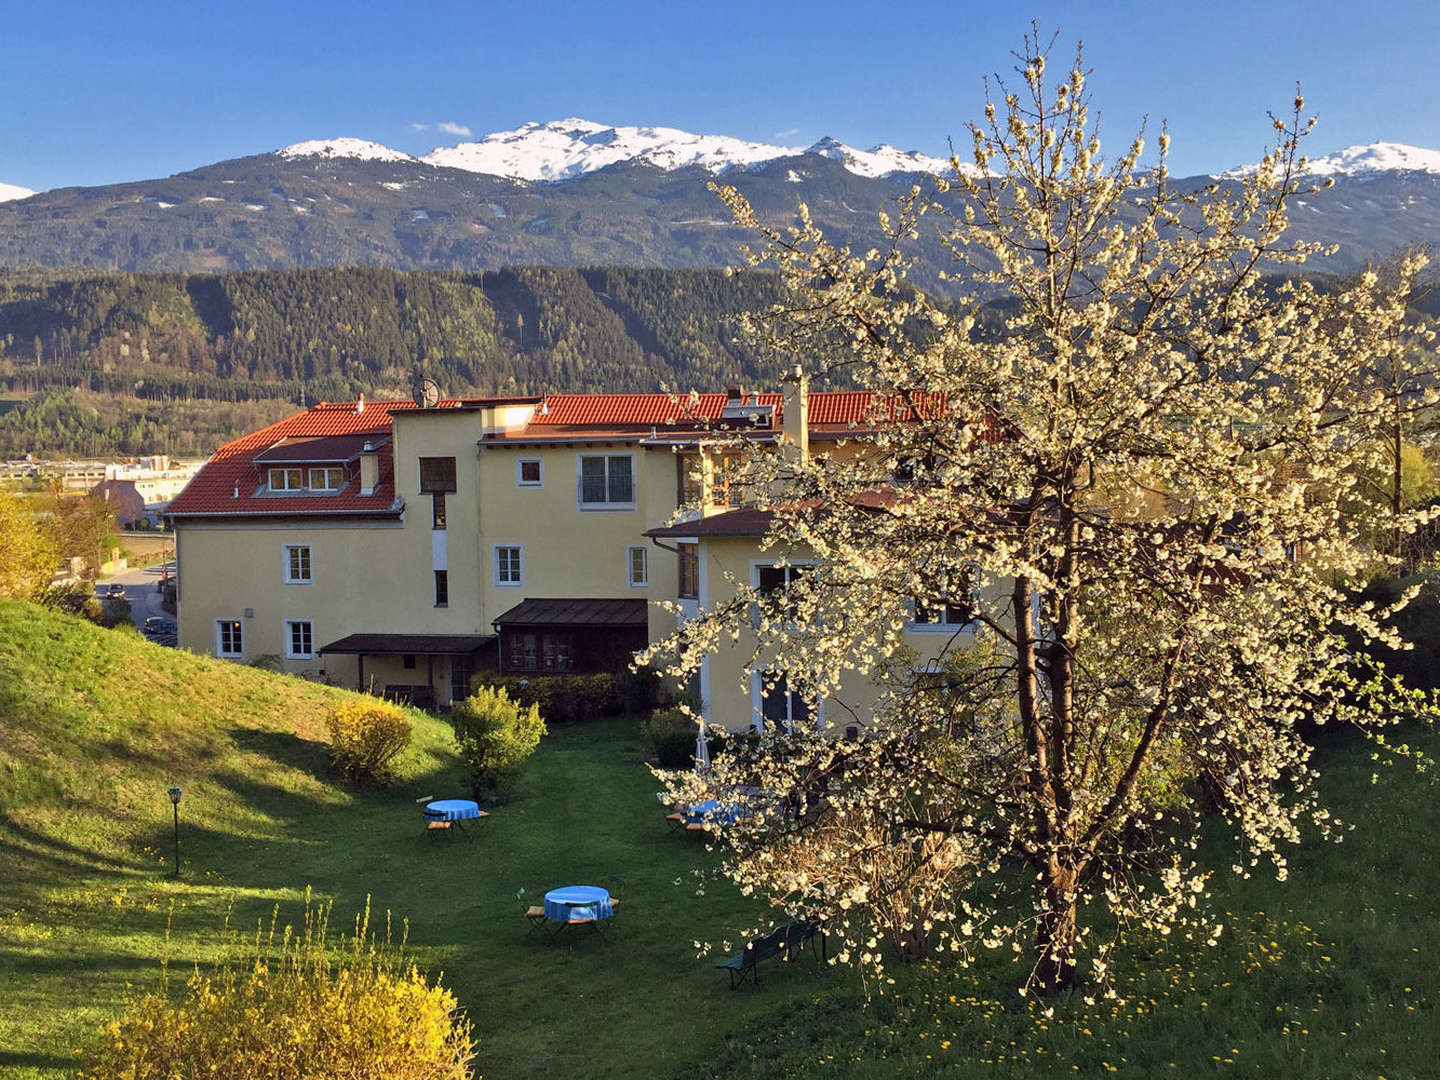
702	749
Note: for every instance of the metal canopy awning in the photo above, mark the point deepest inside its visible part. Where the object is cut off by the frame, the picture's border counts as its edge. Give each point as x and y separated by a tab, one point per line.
410	644
598	614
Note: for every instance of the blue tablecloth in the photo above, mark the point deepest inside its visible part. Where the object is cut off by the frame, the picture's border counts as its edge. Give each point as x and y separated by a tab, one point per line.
713	810
452	810
578	901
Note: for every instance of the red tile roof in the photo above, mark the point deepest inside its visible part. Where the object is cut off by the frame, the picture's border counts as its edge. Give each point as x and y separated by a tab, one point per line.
213	491
227	485
640	410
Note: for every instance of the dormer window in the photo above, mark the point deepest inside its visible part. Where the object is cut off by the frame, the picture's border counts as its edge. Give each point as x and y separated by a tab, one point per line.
327	478
287	479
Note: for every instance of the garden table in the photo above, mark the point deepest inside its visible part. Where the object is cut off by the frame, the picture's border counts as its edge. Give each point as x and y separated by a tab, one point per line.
456	810
588	901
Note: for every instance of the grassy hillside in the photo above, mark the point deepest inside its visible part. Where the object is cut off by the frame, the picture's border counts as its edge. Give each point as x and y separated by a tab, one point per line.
1333	974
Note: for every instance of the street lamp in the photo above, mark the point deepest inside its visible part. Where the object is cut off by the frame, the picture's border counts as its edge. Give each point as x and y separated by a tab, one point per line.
175	801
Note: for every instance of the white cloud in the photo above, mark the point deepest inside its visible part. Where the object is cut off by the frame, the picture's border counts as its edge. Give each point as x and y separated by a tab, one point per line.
788	133
419	127
451	128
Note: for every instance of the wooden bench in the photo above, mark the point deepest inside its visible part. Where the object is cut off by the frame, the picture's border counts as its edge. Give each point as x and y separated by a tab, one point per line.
439	828
782	941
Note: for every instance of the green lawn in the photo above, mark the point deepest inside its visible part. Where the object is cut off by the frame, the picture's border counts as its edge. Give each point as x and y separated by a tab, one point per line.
1332	975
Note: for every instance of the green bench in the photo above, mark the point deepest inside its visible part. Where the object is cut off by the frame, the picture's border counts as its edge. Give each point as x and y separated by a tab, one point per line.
782	941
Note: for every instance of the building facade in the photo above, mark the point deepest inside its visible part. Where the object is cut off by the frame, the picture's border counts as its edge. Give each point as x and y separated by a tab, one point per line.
397	548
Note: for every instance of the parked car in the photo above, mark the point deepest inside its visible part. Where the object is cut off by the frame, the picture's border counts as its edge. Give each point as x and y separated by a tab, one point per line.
158	626
115	592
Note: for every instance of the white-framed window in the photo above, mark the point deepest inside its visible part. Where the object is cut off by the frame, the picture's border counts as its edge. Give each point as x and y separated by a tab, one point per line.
952	611
530	472
327	478
941	617
767	578
509	566
298	570
777	701
287	480
606	481
637	566
229	638
299	639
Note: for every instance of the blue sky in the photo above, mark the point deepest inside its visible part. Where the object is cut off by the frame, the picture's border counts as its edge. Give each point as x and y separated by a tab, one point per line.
103	92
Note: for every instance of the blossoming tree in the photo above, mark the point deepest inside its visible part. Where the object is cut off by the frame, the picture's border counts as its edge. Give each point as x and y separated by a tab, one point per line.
1135	481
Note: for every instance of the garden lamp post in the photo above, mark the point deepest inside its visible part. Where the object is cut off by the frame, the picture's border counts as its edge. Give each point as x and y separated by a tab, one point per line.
175	802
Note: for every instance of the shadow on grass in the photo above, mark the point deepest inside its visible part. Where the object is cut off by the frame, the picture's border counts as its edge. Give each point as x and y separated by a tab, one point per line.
20	1059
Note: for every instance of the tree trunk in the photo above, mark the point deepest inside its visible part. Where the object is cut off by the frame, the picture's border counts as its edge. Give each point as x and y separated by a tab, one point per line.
1055	935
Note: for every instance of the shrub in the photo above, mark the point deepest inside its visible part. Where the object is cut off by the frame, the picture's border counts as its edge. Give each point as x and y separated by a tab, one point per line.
365	739
495	735
268	662
563	699
670	737
640	691
292	1009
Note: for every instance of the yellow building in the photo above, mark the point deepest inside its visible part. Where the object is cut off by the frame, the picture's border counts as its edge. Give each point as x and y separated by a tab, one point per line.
399	548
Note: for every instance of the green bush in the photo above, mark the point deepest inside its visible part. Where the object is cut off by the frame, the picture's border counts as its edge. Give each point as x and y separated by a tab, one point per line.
365	739
563	699
495	735
289	1009
670	738
640	691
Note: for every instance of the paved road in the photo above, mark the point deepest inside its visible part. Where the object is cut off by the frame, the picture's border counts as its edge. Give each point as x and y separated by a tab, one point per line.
142	589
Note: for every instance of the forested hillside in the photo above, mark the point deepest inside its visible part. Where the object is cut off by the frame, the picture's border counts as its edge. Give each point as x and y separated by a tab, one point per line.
134	363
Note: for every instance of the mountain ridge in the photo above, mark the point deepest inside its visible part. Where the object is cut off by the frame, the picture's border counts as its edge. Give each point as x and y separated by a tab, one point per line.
585	194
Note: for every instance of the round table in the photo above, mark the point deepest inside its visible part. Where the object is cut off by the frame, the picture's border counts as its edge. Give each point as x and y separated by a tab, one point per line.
561	904
452	810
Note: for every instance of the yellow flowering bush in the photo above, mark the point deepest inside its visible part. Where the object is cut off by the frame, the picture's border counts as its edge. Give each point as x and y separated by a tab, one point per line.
366	738
293	1009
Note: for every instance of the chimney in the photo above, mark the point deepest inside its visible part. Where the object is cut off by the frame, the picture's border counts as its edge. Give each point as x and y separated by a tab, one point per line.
360	405
369	470
795	401
735	395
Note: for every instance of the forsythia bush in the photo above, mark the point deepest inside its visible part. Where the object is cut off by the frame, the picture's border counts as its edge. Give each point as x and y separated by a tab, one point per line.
293	1011
494	734
366	737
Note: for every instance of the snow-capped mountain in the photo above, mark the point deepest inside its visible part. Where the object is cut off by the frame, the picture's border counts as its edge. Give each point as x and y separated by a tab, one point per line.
358	149
14	191
565	149
577	193
882	160
1380	157
1377	157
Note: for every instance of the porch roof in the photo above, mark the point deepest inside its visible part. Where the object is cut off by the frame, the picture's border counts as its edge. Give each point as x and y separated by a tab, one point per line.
538	611
410	644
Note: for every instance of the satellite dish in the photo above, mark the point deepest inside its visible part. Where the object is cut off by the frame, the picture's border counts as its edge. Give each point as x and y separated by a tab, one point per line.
427	393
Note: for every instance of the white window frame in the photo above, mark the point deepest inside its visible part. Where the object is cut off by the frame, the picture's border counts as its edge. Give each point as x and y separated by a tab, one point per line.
520	481
756	565
288	577
757	704
283	471
325	471
239	625
644	581
495	550
603	506
290	653
941	625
